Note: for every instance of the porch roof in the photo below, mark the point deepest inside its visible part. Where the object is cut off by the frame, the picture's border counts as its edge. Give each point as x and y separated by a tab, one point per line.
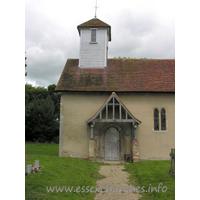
124	114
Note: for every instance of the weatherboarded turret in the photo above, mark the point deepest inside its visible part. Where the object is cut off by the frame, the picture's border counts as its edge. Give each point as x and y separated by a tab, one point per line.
94	37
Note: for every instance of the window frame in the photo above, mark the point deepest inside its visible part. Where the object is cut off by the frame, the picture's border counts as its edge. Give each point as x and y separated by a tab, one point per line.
160	118
156	120
163	119
93	36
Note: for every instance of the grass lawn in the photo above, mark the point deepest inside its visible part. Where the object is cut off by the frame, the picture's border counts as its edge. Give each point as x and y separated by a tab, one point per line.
150	174
67	172
58	171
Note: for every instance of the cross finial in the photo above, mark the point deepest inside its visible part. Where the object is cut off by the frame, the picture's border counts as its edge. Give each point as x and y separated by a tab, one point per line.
96	10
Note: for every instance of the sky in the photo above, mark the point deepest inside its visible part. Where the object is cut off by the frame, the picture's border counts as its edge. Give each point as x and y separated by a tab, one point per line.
139	29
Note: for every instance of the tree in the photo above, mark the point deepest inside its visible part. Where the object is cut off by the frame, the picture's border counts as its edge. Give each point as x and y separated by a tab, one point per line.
40	114
40	123
56	99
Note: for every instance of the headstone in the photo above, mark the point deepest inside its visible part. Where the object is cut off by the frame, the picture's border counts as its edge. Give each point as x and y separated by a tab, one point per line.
36	164
28	169
172	169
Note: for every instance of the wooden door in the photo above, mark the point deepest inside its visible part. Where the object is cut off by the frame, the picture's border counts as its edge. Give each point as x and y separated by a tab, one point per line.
112	144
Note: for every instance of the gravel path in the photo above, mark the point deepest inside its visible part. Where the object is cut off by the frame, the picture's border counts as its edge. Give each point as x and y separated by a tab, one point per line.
115	186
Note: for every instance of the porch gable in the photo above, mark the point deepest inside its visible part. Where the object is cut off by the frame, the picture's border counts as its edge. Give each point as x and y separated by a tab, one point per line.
113	110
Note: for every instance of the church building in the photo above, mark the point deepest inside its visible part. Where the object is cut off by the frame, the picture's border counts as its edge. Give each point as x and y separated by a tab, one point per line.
115	109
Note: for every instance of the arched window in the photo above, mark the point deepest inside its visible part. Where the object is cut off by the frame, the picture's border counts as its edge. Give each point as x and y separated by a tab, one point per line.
163	119
156	120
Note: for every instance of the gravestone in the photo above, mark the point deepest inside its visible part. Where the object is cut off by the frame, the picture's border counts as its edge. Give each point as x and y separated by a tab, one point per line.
28	169
172	169
36	164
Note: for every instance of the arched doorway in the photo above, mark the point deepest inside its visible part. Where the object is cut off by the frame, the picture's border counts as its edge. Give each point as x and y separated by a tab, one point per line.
112	144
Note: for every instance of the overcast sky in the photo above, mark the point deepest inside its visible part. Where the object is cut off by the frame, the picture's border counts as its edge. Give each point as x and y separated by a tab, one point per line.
139	28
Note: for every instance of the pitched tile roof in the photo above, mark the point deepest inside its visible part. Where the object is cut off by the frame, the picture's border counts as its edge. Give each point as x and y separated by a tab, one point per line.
120	75
95	23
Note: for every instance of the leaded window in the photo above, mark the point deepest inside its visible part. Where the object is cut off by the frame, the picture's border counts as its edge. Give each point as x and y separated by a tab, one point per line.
163	119
156	120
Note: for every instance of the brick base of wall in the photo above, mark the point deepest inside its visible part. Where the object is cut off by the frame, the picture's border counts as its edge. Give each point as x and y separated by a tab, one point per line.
135	151
91	149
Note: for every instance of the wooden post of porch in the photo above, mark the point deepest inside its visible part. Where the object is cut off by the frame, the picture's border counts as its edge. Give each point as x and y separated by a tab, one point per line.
113	108
120	111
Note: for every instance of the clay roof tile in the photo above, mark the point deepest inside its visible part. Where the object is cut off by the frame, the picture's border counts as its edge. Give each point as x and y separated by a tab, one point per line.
120	75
